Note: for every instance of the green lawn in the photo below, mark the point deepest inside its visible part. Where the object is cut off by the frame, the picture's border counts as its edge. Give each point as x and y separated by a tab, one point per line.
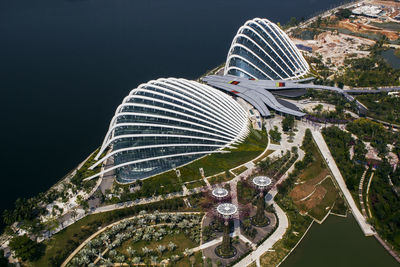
252	146
239	170
198	183
332	194
298	225
315	172
264	156
217	179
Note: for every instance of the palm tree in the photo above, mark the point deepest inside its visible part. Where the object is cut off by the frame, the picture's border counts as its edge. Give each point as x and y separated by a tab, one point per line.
120	259
161	249
188	252
136	260
74	214
146	250
130	251
154	260
171	246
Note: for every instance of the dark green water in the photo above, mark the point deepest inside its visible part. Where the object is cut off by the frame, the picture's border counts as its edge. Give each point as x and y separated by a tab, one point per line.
391	58
338	242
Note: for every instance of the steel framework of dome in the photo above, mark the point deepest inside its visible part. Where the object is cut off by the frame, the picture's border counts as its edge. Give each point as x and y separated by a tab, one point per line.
261	50
166	123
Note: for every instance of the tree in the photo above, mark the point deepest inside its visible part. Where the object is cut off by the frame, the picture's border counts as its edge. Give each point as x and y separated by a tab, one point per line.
25	248
3	259
288	123
275	135
343	13
130	251
226	240
260	217
136	260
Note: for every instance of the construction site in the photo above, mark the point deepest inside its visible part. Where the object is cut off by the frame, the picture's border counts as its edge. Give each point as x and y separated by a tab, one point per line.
335	37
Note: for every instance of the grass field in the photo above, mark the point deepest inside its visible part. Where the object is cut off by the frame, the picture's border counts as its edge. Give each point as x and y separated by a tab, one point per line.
264	156
315	193
217	179
239	170
198	183
252	146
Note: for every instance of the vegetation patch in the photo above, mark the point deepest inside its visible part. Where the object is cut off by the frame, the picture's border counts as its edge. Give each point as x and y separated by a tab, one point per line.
145	239
264	156
314	193
339	143
239	170
195	184
60	245
382	107
220	178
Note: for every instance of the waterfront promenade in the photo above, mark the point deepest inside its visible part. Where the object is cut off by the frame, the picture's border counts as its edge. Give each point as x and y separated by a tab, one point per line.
365	226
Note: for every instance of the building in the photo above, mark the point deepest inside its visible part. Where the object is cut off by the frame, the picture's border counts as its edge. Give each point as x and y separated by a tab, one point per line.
166	123
368	11
261	50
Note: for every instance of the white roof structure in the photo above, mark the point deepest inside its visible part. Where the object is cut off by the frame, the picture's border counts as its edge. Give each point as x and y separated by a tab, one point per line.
166	123
226	209
262	181
219	192
261	50
368	10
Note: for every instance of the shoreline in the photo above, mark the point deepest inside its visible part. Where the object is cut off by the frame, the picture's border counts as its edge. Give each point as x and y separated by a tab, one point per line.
71	173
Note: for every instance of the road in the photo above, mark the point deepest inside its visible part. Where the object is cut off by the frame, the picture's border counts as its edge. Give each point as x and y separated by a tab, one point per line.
365	227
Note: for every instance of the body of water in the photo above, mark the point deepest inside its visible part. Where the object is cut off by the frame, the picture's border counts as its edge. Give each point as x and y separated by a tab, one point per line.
391	58
65	65
338	242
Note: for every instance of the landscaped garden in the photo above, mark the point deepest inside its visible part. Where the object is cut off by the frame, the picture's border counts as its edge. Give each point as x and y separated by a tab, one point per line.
144	239
382	107
315	193
60	245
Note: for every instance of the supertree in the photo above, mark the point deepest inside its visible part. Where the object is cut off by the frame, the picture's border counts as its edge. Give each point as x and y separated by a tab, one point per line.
261	183
226	250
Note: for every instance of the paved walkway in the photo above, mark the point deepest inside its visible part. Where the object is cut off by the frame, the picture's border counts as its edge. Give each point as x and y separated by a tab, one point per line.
267	244
366	194
365	227
360	193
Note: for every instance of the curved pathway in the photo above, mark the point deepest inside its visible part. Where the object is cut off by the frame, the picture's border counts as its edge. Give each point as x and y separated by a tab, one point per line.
67	260
268	244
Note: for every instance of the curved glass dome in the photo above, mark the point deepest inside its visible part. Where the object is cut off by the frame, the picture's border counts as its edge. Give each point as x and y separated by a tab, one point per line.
261	50
167	123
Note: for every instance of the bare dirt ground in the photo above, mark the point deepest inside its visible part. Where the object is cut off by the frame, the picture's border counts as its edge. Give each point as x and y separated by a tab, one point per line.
360	27
337	46
304	189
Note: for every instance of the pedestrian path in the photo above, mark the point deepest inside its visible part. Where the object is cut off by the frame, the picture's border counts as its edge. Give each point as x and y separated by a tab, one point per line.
269	243
360	193
365	227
